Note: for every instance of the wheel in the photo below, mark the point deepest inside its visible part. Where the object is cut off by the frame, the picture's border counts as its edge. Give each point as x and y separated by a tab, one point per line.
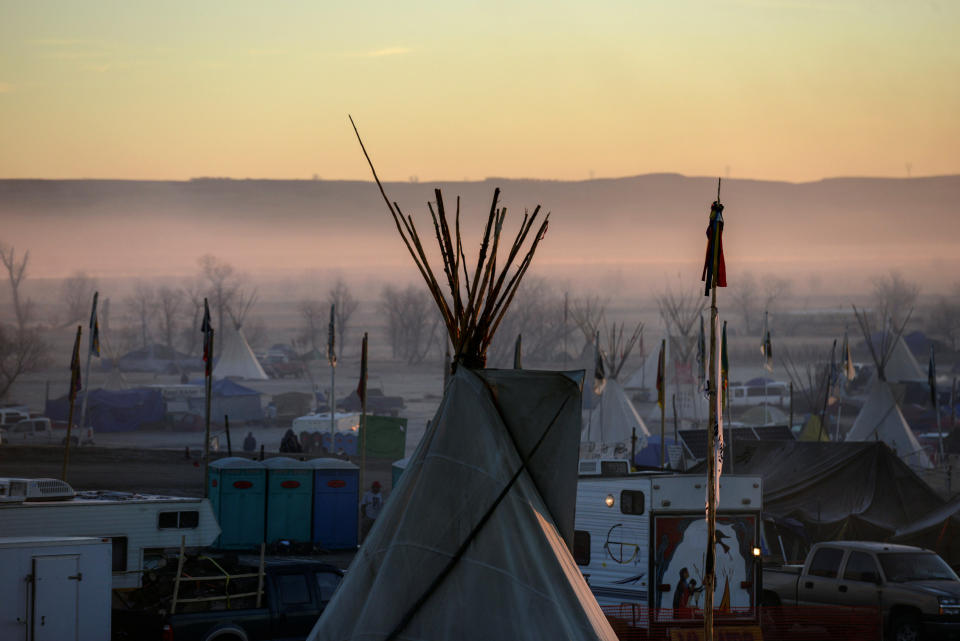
905	628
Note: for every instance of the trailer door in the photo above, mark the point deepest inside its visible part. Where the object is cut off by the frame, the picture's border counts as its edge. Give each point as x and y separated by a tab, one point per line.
56	590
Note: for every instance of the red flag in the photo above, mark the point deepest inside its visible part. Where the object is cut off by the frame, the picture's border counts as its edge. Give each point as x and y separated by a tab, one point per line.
75	385
362	385
207	329
714	248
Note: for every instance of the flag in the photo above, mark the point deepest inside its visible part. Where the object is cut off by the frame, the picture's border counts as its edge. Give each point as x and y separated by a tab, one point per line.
724	364
94	328
599	376
331	340
75	385
932	379
362	385
702	357
518	353
766	347
207	328
661	375
848	369
714	251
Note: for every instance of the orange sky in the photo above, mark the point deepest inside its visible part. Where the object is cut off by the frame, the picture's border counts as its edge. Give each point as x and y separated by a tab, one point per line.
793	90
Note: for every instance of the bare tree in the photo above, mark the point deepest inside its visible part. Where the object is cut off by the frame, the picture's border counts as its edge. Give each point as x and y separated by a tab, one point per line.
537	314
681	314
344	306
411	323
314	318
587	314
16	271
945	318
141	305
21	351
752	298
894	297
619	347
255	331
169	303
190	335
76	293
229	293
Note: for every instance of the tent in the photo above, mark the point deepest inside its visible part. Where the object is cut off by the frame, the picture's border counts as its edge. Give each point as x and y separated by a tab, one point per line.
155	358
475	542
880	419
939	531
240	403
236	358
899	364
113	411
852	491
612	422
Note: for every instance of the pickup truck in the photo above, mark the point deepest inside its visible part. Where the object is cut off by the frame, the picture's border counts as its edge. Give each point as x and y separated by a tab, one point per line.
915	590
295	594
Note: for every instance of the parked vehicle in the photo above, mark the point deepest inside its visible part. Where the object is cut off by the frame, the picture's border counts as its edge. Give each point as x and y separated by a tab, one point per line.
13	414
916	591
639	540
29	430
295	595
55	588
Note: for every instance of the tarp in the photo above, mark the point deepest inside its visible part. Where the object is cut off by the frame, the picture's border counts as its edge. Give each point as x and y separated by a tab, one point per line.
839	491
649	456
939	531
112	411
386	437
240	403
516	578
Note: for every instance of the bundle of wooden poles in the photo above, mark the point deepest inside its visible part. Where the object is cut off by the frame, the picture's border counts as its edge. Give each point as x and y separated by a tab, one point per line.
473	307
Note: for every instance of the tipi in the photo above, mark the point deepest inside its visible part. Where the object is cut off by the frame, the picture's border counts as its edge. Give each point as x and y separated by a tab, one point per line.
610	425
236	358
475	541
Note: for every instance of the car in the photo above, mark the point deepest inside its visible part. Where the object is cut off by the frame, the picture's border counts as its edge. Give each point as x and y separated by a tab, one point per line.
29	430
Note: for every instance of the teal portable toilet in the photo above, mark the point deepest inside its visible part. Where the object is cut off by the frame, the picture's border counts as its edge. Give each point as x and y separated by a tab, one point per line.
289	499
396	471
238	495
336	503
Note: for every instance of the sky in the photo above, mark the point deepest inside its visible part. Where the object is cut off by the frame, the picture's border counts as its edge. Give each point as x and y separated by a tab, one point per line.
794	90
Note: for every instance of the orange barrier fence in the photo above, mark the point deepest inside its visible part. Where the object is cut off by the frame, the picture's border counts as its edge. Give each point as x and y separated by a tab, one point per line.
639	623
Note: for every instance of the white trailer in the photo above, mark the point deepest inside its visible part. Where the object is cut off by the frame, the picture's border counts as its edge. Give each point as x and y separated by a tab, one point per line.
640	542
140	526
55	589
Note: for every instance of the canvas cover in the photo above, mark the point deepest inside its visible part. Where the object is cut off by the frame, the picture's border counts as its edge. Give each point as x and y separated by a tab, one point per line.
112	411
852	491
516	579
938	531
612	421
236	358
880	419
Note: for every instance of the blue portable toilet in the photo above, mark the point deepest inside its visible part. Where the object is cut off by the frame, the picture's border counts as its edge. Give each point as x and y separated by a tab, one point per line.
397	470
238	495
336	503
289	499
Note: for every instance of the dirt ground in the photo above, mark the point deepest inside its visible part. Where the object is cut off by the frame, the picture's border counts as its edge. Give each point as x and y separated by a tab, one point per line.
147	471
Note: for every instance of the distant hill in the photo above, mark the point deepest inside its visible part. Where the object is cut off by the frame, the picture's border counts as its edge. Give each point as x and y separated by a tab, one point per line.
161	227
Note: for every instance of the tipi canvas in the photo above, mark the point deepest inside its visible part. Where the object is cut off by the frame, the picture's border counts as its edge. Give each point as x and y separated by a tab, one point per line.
881	420
474	542
237	359
610	425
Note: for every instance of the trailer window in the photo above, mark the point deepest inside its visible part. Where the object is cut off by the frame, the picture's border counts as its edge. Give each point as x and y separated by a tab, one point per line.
581	547
631	502
119	553
826	563
178	520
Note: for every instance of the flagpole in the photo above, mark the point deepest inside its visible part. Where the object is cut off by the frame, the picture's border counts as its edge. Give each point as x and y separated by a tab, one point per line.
208	375
363	411
74	370
936	401
826	393
332	359
710	561
86	369
663	402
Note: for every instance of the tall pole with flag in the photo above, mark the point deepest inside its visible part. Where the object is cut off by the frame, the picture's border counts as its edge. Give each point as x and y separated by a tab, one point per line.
848	371
75	386
766	349
932	380
332	359
599	383
362	393
662	394
714	275
207	329
93	351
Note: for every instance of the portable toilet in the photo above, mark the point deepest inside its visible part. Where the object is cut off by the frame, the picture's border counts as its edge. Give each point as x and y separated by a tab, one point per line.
336	503
238	495
289	499
397	470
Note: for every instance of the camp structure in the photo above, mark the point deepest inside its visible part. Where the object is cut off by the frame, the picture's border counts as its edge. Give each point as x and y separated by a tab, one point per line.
114	411
610	425
236	359
229	398
880	418
938	531
901	365
155	358
475	542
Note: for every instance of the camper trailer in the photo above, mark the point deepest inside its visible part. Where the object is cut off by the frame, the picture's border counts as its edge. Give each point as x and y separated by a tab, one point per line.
55	588
640	541
141	526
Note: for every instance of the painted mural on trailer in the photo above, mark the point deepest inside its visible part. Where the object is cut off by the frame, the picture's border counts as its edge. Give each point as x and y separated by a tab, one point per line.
679	559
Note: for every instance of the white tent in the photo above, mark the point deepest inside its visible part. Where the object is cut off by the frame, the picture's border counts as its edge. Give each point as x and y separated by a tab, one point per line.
901	365
474	541
611	423
880	419
236	358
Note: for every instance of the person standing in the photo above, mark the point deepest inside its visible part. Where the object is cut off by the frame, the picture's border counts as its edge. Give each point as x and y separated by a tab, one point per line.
250	443
370	508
